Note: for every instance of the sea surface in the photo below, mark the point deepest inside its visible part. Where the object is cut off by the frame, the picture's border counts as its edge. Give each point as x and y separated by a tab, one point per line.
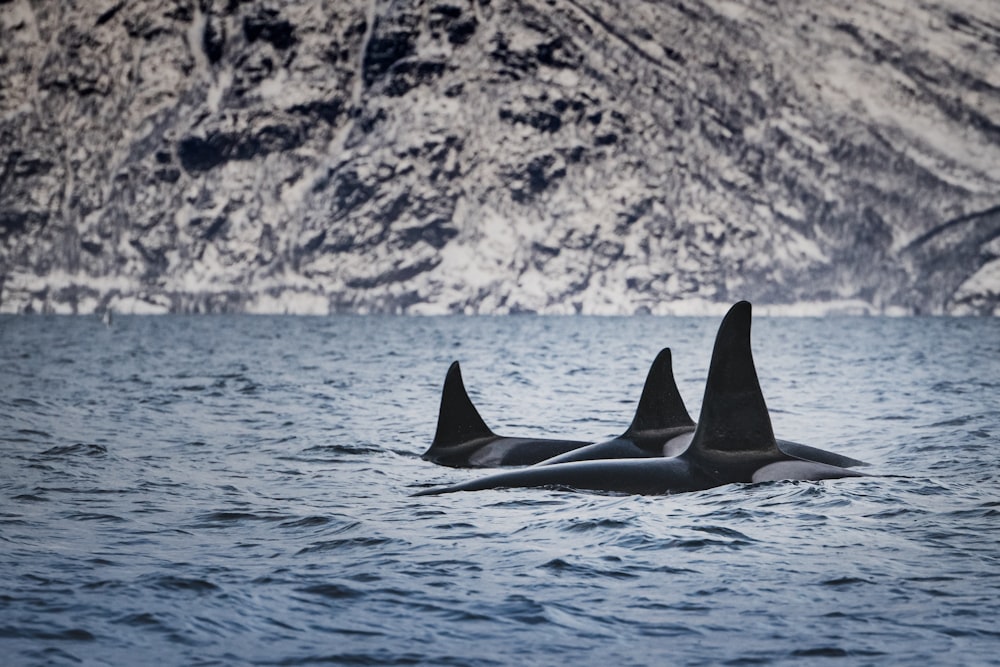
235	490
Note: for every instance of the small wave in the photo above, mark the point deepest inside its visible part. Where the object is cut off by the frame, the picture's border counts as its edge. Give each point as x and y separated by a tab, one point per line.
956	421
894	417
306	522
13	520
560	566
797	493
523	610
971	632
820	652
71	634
334	591
841	582
734	535
697	544
446	566
836	652
140	619
587	525
986	512
527	503
95	516
83	491
674	630
102	585
195	443
33	432
79	449
223	518
949	388
347	543
923	486
741	514
27	403
173	583
385	658
645	542
331	453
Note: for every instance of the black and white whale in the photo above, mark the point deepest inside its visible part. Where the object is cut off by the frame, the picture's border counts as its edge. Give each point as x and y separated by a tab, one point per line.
672	431
661	427
732	443
463	440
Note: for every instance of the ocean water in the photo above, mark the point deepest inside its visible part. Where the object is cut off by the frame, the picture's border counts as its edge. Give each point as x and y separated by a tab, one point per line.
222	490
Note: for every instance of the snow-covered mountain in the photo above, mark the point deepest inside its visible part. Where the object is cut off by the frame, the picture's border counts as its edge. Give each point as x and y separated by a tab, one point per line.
498	156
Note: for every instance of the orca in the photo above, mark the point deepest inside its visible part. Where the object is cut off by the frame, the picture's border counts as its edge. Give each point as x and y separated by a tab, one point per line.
732	443
662	427
674	441
463	440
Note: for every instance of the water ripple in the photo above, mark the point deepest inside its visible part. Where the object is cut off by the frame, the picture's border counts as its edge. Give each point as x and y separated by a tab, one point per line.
78	449
230	490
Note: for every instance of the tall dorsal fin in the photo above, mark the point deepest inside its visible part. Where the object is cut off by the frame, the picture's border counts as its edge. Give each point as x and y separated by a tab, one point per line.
734	435
458	419
660	406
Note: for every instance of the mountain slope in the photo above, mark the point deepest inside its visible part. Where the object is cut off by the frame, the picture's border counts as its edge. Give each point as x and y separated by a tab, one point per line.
499	156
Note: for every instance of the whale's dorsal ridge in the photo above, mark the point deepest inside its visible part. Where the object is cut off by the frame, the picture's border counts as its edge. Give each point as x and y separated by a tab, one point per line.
660	406
458	419
734	434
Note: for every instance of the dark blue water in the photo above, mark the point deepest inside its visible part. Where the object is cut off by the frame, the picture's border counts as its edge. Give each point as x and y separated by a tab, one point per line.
235	490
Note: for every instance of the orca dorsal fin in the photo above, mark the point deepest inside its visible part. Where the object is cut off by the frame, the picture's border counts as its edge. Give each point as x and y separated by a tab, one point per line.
734	435
660	405
458	419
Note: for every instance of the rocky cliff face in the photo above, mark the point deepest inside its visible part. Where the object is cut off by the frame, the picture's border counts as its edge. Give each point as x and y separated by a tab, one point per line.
499	155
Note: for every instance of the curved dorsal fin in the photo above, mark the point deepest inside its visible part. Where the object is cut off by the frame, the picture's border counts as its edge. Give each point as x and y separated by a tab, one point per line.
734	435
458	419
660	406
